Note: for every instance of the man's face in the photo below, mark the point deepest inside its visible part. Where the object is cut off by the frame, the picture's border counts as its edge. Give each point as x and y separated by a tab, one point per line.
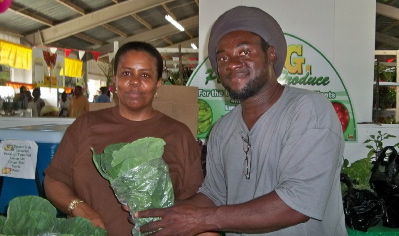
242	64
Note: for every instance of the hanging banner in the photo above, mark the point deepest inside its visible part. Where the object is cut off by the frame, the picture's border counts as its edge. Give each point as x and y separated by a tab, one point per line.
305	67
15	55
18	158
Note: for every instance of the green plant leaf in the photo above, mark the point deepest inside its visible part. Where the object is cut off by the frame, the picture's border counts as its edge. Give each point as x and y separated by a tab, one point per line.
33	215
29	215
370	154
359	172
2	222
370	147
137	152
79	226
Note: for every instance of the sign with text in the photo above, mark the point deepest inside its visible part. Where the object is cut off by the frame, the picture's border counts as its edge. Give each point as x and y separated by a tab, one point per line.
18	158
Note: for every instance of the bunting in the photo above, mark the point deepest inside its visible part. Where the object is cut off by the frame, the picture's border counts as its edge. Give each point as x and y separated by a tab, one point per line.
68	51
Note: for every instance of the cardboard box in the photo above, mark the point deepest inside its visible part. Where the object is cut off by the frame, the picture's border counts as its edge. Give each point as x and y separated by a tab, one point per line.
178	102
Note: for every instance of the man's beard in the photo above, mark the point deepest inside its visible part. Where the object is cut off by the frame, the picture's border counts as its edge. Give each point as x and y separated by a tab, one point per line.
250	89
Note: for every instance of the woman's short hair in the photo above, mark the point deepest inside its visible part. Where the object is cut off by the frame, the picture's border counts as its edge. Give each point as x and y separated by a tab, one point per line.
139	46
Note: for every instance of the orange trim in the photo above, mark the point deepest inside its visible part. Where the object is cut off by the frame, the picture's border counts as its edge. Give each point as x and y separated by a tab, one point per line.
68	89
15	85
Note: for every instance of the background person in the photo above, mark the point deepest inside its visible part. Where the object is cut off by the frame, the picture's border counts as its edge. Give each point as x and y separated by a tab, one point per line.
21	97
72	177
39	103
31	104
64	105
79	103
273	162
103	97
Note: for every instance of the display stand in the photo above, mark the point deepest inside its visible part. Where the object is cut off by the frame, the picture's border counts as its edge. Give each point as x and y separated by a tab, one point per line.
47	137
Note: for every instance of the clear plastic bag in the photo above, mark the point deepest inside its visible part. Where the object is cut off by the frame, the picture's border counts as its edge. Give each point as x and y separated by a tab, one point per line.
144	187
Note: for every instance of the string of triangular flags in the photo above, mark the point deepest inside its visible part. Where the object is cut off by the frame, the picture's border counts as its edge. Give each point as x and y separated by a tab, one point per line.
68	51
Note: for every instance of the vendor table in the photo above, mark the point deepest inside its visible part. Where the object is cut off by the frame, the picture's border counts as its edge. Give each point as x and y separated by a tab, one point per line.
47	137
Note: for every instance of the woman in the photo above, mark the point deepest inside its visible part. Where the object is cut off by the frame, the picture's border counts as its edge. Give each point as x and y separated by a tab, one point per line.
72	180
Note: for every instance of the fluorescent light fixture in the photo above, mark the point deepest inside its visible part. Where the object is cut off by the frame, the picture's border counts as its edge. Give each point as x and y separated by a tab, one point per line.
173	22
194	46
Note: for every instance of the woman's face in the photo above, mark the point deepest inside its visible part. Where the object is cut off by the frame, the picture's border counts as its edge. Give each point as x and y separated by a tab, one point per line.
137	81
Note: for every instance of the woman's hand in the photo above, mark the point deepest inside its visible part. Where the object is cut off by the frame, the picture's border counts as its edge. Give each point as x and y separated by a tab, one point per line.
84	210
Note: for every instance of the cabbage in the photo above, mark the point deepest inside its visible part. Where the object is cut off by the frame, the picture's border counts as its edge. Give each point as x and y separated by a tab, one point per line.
33	215
138	175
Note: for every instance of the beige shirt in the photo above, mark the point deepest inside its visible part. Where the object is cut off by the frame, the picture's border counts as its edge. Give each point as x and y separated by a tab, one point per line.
78	106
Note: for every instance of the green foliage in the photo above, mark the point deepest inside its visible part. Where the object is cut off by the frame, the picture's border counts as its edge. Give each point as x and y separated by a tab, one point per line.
107	69
375	144
359	172
175	79
33	215
138	175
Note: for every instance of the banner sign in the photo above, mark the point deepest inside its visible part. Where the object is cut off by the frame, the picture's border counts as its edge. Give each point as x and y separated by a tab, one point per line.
305	67
18	158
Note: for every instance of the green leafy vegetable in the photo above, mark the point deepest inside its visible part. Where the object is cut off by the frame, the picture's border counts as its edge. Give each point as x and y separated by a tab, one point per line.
138	175
33	215
359	172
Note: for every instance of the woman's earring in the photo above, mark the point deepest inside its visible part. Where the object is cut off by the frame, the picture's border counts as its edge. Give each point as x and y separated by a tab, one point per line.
156	95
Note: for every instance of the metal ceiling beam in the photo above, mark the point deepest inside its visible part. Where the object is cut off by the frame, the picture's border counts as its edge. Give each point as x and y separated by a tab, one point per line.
151	35
388	11
10	32
89	39
185	44
92	20
21	11
72	6
167	9
142	21
167	41
115	30
81	11
387	39
167	50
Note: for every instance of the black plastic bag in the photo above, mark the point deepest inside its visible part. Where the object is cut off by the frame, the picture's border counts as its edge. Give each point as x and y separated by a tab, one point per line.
385	182
363	208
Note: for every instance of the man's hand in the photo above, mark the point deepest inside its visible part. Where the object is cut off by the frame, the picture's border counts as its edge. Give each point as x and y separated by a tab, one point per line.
177	220
84	210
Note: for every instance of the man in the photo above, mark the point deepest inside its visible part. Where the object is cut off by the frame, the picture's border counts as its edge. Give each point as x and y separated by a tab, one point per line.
22	98
273	163
104	96
79	103
64	105
39	103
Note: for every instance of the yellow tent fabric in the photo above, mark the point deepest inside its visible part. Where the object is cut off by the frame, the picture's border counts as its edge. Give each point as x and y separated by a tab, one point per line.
73	68
15	55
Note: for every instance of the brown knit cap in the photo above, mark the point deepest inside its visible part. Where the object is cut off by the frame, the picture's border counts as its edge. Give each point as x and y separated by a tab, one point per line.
249	19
